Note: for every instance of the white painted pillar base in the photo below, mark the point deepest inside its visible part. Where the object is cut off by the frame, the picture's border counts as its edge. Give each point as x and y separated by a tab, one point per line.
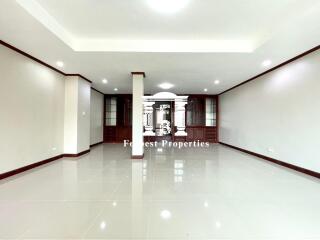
137	115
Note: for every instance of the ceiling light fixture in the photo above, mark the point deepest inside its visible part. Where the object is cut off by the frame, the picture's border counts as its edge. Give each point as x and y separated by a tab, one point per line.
116	89
216	82
266	63
167	6
165	214
218	224
103	225
60	63
166	85
104	81
205	90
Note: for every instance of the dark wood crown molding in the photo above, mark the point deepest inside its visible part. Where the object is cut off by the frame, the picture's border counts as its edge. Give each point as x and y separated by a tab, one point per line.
274	68
143	73
77	75
97	90
41	62
139	73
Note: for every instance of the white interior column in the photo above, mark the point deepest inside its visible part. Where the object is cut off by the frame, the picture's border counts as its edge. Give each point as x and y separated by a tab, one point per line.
76	115
137	115
148	119
180	118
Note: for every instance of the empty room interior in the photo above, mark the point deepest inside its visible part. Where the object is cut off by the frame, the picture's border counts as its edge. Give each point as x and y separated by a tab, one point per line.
160	119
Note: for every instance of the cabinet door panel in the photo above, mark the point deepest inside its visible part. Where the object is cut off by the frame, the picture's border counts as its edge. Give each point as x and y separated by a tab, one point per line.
199	134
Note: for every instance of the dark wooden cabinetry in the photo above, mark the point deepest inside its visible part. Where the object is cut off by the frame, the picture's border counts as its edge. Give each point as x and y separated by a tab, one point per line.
211	134
201	122
195	111
124	133
110	134
123	127
207	134
201	118
124	110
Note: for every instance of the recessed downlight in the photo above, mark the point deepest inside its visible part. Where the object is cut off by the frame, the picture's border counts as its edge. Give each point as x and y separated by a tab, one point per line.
216	82
115	89
266	63
60	63
165	214
167	6
205	90
166	85
104	81
103	225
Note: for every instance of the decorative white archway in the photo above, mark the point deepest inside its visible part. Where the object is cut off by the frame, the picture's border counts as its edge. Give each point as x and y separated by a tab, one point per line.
179	114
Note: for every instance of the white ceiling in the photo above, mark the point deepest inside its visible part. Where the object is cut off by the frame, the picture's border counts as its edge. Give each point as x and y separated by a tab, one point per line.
207	40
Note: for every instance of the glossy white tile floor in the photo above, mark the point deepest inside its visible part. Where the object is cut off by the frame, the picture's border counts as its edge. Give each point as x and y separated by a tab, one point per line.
215	193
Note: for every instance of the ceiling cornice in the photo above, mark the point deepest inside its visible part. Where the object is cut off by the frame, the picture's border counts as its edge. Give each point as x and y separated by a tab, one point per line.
42	62
137	45
272	69
139	73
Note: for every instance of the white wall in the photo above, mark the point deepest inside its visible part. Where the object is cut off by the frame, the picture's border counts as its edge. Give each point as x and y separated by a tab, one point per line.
277	115
31	111
76	115
71	115
96	117
84	115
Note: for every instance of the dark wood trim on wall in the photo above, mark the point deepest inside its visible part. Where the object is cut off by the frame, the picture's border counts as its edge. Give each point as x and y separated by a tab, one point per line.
139	73
217	118
97	90
274	68
38	164
76	154
78	75
95	144
137	156
281	163
28	167
29	56
41	62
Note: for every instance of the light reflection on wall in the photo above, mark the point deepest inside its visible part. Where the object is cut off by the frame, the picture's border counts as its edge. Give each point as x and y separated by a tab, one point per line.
290	75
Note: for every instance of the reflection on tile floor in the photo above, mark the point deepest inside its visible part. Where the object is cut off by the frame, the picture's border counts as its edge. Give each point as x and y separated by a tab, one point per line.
215	193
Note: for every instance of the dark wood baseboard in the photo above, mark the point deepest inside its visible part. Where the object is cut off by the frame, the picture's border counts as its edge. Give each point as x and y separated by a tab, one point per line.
281	163
76	154
95	144
137	156
38	164
29	167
